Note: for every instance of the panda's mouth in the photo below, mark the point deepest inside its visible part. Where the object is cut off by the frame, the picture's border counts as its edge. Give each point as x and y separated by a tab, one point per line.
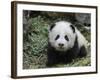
61	48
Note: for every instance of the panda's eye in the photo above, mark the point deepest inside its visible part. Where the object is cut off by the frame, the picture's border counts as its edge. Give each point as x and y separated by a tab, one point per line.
57	37
66	37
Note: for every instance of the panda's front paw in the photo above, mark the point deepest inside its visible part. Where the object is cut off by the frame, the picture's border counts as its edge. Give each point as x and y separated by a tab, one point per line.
50	64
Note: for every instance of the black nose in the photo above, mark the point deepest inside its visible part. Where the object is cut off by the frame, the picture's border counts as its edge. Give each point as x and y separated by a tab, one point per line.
61	44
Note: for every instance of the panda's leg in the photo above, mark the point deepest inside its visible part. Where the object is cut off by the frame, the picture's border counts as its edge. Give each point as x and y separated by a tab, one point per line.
83	52
52	58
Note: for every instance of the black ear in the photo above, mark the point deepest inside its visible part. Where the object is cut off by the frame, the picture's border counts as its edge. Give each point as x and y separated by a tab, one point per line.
52	26
73	28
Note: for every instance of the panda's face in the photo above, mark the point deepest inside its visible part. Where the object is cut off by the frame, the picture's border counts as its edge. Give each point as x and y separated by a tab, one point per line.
62	36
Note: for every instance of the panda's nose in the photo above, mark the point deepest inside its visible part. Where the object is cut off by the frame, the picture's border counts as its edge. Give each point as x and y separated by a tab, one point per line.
61	44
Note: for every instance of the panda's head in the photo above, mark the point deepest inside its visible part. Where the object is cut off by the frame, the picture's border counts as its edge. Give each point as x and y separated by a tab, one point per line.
62	35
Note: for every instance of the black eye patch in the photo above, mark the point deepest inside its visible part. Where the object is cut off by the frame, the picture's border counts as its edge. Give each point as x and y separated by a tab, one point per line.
66	37
57	37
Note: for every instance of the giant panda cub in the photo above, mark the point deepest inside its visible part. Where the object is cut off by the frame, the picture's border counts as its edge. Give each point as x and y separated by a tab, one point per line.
65	43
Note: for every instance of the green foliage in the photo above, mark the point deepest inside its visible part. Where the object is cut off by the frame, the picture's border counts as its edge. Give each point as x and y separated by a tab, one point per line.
35	42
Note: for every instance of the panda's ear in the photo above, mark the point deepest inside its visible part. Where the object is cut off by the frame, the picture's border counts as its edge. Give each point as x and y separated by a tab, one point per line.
73	28
52	26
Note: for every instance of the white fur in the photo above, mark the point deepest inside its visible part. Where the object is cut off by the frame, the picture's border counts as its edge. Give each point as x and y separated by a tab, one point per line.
63	28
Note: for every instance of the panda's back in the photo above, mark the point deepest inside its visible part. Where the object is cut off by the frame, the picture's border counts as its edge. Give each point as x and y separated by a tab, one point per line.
81	39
